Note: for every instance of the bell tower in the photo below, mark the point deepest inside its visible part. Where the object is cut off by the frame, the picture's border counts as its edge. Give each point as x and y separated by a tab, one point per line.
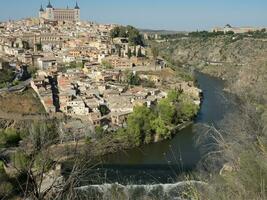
49	11
77	12
41	12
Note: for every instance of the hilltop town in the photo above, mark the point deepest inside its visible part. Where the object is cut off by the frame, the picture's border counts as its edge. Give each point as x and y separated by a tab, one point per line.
94	73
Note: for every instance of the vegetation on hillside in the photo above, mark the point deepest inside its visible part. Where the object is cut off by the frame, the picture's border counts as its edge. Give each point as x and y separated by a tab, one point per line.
133	34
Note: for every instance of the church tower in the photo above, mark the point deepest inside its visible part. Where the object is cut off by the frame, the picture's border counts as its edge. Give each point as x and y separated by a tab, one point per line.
49	11
41	12
77	12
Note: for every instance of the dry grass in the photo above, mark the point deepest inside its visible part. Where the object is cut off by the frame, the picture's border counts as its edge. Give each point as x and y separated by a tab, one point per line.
26	102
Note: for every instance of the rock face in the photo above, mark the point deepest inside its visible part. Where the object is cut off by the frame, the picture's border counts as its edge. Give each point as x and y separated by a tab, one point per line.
214	50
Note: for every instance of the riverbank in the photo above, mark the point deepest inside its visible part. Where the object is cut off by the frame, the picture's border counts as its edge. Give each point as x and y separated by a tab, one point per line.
165	161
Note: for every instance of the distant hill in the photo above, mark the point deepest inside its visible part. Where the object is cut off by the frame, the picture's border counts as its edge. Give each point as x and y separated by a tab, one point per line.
160	32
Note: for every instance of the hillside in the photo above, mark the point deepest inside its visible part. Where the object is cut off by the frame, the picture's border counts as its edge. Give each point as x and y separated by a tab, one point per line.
236	168
228	49
26	102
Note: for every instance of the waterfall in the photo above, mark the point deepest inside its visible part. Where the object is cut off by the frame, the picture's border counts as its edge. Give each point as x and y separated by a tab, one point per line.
138	192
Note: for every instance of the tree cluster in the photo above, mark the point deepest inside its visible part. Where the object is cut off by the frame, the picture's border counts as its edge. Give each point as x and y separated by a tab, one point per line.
133	34
145	124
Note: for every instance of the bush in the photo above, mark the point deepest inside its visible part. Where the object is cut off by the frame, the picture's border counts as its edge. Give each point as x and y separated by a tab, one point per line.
133	79
20	160
9	137
6	189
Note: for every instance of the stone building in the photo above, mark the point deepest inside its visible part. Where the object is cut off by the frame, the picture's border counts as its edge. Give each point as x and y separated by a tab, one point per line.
60	14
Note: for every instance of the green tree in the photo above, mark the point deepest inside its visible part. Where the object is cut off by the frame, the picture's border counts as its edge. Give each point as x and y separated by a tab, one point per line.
160	128
104	110
133	79
173	96
115	32
138	124
133	34
187	108
123	32
166	111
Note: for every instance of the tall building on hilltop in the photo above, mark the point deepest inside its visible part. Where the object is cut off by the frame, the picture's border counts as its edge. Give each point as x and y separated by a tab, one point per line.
60	14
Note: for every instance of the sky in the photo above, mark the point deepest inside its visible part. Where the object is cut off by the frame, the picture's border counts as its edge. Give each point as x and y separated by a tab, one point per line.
180	15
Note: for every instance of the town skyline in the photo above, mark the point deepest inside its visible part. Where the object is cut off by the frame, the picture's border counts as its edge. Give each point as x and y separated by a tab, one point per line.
179	16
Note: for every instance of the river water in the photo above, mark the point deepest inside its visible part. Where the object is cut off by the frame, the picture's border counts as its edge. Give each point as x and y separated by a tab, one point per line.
163	162
152	171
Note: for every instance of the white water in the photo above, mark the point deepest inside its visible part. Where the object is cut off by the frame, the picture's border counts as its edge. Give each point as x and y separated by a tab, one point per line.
136	192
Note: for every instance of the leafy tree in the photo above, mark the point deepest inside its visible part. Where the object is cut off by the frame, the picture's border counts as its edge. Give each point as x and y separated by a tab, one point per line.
133	79
187	108
138	124
115	32
123	32
160	128
166	111
133	34
173	96
104	110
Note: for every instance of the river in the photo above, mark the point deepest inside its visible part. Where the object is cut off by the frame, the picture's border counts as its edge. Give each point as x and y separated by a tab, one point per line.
152	171
163	162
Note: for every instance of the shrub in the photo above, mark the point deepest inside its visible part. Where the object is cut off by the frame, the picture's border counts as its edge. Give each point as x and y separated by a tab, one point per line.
20	160
9	137
6	189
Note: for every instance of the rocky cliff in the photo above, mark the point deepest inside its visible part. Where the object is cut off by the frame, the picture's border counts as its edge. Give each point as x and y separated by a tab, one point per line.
218	50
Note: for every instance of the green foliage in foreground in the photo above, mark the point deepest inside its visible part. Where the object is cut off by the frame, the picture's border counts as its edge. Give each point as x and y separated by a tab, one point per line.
146	124
9	137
